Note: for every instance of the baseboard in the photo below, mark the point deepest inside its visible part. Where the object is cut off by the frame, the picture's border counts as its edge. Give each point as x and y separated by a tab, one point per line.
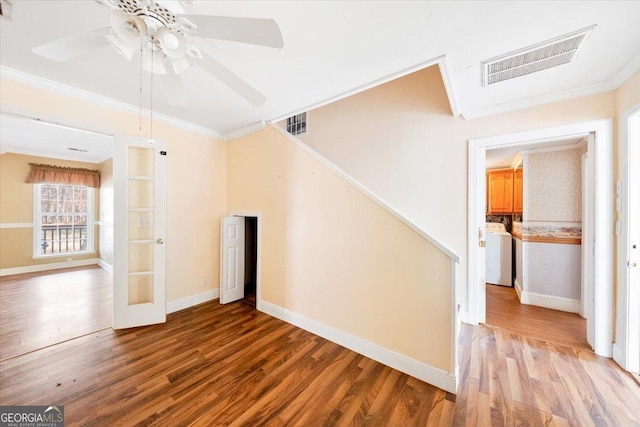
45	267
192	300
550	301
618	356
518	287
105	265
435	376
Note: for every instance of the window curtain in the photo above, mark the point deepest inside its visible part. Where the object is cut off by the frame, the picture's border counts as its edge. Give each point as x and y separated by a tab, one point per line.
49	174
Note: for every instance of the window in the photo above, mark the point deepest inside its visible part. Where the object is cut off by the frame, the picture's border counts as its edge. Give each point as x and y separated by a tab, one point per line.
64	219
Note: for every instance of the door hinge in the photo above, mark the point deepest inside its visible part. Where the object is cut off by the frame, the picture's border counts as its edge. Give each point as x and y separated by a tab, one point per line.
163	153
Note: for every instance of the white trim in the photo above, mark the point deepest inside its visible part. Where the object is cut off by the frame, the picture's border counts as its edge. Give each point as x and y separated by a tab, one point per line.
105	265
603	186
447	80
192	300
362	88
627	71
549	301
246	130
38	153
539	100
518	287
17	225
618	355
432	375
373	196
60	88
45	267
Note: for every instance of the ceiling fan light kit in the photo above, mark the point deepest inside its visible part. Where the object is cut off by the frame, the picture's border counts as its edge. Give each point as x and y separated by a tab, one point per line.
166	38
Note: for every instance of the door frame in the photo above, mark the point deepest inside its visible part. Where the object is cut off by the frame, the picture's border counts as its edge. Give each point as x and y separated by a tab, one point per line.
602	221
626	349
258	216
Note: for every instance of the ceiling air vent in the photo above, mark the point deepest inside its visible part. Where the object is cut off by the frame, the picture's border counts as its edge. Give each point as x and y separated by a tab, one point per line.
80	150
6	9
532	59
297	124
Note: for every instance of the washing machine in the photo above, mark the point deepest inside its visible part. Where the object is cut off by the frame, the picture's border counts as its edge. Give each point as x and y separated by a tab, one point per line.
498	255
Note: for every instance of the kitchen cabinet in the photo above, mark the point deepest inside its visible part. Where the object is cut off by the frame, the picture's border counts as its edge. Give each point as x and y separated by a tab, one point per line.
500	191
517	191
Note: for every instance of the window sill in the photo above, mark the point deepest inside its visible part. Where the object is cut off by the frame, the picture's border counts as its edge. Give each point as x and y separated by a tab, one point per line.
64	255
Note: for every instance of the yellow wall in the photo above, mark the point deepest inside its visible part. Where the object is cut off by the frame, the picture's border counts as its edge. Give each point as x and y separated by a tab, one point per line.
106	211
401	141
196	188
333	255
16	206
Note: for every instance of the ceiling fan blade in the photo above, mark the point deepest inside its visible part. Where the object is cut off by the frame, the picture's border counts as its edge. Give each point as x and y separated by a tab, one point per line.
230	79
70	47
263	32
173	88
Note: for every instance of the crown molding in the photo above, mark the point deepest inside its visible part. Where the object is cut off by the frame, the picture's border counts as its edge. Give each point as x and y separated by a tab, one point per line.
245	130
447	79
378	82
627	71
63	89
539	100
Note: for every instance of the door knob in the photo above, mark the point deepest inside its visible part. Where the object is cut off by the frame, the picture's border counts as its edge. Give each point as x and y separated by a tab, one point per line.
160	241
633	264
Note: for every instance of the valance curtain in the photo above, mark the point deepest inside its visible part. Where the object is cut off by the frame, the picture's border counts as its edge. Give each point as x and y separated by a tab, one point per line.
49	174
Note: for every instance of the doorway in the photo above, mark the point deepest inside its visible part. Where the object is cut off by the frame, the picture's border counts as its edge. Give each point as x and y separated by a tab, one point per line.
240	258
56	282
533	249
597	227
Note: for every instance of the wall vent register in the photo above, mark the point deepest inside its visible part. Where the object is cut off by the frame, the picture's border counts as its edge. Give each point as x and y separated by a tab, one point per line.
532	59
297	124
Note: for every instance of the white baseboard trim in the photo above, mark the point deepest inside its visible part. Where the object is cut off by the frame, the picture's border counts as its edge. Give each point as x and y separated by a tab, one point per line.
105	265
435	376
192	300
550	301
618	356
518	287
45	267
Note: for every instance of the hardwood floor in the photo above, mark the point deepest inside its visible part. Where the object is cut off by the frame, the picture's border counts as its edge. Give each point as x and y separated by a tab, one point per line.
505	311
38	310
514	380
219	365
232	365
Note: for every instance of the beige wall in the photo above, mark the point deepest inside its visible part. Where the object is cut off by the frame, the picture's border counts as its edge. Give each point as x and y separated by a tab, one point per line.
333	255
400	141
16	206
196	188
106	211
553	186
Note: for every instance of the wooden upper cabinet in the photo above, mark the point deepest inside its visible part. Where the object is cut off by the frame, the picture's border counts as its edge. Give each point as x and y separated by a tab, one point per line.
500	191
517	191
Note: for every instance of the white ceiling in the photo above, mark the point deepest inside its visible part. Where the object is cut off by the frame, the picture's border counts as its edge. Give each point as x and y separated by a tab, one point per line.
334	47
30	137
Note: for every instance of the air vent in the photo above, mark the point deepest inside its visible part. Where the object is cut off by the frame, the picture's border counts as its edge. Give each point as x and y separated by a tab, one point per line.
6	10
297	124
532	59
79	150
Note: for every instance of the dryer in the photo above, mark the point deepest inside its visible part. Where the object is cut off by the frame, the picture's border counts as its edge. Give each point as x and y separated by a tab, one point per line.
498	255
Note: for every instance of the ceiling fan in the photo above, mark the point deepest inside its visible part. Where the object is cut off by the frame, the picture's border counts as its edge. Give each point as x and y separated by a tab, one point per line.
170	42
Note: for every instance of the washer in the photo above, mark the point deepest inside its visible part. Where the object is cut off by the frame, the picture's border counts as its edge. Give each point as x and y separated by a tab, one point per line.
498	255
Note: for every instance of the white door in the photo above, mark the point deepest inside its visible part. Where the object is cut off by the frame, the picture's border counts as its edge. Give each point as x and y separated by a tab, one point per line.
139	182
232	259
633	260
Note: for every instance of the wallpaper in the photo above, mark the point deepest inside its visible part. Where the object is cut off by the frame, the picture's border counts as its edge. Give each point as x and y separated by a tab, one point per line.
553	186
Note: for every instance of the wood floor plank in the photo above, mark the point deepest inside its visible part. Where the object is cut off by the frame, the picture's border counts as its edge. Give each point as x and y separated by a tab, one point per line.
232	365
